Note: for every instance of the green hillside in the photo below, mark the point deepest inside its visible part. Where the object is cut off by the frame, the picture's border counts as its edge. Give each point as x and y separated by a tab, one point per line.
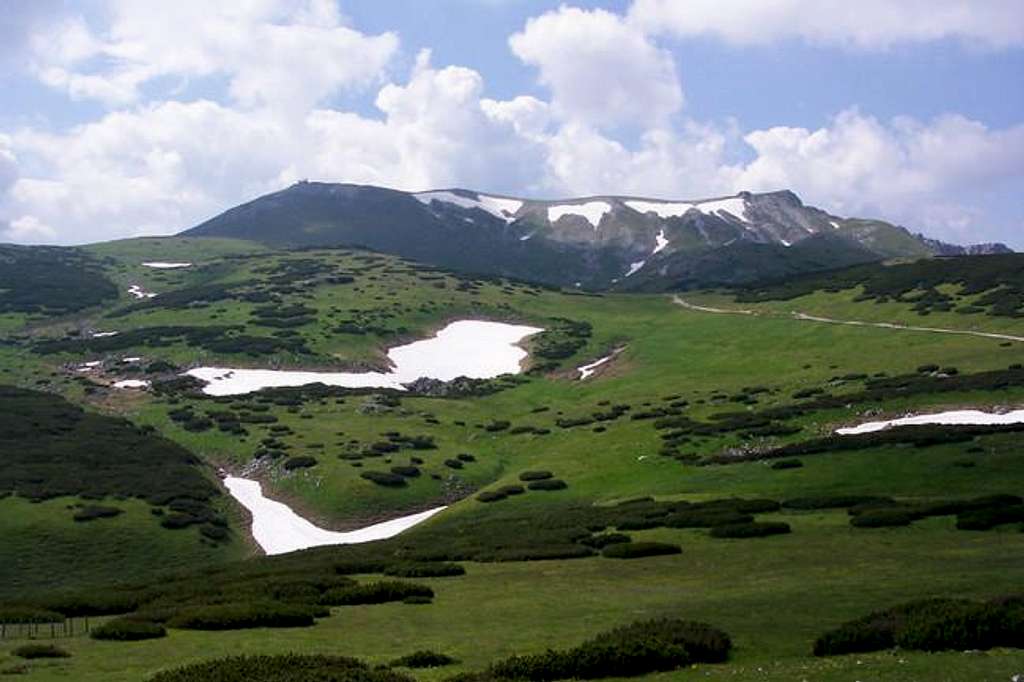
694	476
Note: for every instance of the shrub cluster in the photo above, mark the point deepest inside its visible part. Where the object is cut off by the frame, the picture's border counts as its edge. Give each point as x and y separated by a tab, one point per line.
384	478
237	616
639	550
424	569
637	649
423	659
548	484
379	592
280	668
41	436
51	280
930	625
30	651
91	512
750	530
128	630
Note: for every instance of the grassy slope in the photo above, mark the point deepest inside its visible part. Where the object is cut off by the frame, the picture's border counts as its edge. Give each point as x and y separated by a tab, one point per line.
774	595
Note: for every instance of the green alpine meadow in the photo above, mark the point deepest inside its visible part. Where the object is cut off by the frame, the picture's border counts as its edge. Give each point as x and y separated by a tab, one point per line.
683	506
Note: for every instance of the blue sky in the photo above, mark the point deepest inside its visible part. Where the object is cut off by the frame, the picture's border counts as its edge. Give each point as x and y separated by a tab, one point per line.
128	117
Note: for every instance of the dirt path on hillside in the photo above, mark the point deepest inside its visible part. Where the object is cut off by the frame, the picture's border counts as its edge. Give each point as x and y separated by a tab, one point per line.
803	317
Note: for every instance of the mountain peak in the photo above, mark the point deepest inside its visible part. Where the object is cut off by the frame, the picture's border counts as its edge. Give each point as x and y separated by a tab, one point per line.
599	241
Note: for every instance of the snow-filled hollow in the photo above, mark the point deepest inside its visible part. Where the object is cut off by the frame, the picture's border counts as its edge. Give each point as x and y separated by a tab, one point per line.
635	267
279	530
661	241
950	418
162	265
499	207
735	206
477	349
591	211
131	383
663	209
138	292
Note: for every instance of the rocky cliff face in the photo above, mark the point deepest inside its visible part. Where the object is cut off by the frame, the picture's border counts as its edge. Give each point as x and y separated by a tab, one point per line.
596	242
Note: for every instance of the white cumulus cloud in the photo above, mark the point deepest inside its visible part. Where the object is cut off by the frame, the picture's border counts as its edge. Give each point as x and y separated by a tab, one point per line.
864	24
272	52
600	69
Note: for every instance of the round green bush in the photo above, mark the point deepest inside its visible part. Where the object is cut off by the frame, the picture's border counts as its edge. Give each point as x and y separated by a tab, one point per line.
300	462
512	490
638	550
92	512
432	569
407	471
491	496
535	475
30	651
128	630
753	529
884	518
548	484
787	464
386	479
423	659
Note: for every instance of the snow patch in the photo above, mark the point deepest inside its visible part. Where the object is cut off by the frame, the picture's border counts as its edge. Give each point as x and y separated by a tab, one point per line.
505	209
526	236
593	211
635	267
661	241
953	417
138	292
735	206
468	348
834	224
103	335
586	371
160	265
664	209
278	530
785	243
131	383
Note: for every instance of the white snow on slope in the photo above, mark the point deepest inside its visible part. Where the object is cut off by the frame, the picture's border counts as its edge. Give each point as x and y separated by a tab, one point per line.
593	211
138	292
733	205
471	348
131	383
785	243
586	371
277	529
662	242
103	335
634	267
505	209
954	417
664	209
834	224
160	265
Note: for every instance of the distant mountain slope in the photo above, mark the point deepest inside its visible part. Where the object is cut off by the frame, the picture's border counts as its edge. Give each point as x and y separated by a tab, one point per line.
992	284
51	280
596	242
